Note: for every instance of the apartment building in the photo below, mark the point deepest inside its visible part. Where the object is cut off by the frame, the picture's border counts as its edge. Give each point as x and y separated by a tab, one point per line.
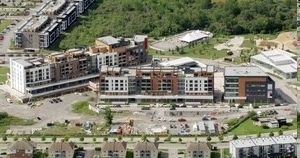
275	147
198	150
248	84
56	73
155	84
114	150
46	25
61	150
21	149
130	52
145	150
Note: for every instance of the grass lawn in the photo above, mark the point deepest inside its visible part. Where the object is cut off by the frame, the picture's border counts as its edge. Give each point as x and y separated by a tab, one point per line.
298	73
82	107
13	121
247	127
215	154
4	23
226	153
61	130
200	50
3	72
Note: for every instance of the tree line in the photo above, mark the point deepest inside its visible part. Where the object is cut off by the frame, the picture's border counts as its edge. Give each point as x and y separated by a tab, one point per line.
158	18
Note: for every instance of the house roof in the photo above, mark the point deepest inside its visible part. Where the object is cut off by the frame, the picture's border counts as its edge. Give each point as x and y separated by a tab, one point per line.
142	146
22	145
114	146
62	146
198	146
195	35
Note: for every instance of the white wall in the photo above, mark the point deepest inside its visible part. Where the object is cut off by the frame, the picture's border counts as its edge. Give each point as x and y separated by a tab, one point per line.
197	84
117	84
112	59
17	76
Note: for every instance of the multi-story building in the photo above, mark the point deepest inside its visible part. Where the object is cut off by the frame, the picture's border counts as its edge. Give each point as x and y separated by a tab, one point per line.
128	52
145	150
61	150
21	149
275	147
46	25
156	84
114	150
198	150
36	77
247	84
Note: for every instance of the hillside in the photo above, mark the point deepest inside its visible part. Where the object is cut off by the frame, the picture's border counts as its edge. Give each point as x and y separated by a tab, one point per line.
159	18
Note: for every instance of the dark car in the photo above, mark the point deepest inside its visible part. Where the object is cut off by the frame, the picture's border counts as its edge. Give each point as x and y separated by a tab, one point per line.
50	124
180	152
58	99
213	118
181	120
38	118
172	108
117	106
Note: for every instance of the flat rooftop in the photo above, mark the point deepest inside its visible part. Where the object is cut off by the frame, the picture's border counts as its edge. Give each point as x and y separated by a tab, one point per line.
242	143
109	40
181	62
54	6
244	71
35	23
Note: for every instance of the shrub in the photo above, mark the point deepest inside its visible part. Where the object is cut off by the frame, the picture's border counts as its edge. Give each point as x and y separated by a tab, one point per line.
97	149
4	138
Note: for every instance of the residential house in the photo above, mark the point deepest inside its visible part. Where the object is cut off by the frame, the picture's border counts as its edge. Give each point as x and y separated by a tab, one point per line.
61	149
114	150
145	150
21	149
198	150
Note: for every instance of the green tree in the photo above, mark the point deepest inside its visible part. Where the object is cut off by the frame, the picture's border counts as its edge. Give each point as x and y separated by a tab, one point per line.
105	139
43	138
221	137
258	135
54	139
94	139
120	138
280	132
271	134
4	138
28	138
196	138
180	140
235	137
144	137
156	139
131	138
81	139
208	138
66	138
108	116
16	138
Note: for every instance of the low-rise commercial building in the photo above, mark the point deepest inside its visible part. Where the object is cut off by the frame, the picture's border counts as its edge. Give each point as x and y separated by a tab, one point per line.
21	149
277	61
275	147
156	84
198	150
145	150
247	84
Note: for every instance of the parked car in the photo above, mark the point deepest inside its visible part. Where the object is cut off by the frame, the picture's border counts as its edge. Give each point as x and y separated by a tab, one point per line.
181	120
38	118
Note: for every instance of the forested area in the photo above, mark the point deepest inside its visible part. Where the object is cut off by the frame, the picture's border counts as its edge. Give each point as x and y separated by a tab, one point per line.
159	18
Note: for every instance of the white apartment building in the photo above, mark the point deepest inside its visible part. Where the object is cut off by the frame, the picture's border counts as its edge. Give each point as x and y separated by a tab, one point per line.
275	147
109	59
28	73
195	84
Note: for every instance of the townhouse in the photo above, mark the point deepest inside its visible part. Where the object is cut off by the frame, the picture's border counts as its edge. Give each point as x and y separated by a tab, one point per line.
275	147
114	149
61	149
21	149
198	150
145	150
248	84
45	26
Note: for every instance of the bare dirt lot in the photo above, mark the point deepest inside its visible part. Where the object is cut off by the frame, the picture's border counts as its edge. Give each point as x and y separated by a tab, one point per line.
285	40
